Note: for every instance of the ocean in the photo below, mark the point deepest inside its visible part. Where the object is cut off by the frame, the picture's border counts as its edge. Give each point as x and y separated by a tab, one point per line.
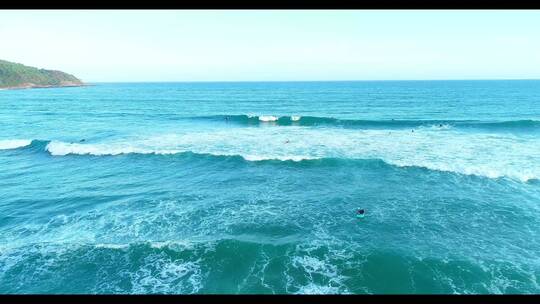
253	188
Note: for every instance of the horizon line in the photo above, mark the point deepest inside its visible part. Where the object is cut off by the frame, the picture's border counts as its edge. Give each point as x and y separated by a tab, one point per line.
359	80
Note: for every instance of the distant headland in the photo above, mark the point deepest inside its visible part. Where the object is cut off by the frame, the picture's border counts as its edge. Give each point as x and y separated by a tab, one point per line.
19	76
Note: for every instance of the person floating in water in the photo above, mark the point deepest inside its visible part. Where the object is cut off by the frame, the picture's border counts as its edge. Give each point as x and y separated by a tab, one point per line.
360	213
287	141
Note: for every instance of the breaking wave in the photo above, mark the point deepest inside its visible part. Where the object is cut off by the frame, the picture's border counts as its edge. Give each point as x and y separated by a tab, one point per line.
481	166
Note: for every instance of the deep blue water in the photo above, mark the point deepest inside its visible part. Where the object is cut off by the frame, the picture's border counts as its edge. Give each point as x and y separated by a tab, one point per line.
253	188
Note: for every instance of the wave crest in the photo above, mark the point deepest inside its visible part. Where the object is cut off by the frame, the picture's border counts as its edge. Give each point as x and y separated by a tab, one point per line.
9	144
268	118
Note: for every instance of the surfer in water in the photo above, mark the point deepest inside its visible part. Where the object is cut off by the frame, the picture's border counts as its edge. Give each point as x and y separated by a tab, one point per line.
360	213
287	141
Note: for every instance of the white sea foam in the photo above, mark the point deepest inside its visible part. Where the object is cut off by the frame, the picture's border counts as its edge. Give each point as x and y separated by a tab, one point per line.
175	245
112	246
330	281
268	118
295	118
14	143
315	289
162	274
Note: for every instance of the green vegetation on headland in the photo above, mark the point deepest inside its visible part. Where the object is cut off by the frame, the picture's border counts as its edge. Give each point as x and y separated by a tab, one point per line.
18	76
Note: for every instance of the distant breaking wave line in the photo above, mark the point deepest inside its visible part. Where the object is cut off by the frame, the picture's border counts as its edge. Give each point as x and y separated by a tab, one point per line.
297	120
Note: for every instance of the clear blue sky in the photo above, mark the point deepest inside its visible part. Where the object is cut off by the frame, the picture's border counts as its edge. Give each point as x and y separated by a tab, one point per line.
255	45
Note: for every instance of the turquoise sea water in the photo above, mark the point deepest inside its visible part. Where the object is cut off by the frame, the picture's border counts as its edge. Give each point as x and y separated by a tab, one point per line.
253	188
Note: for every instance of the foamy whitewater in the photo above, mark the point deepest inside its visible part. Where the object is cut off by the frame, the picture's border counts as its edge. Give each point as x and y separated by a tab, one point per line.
253	187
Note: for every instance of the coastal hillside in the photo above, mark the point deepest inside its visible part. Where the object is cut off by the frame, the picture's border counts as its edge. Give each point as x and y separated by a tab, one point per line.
19	76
